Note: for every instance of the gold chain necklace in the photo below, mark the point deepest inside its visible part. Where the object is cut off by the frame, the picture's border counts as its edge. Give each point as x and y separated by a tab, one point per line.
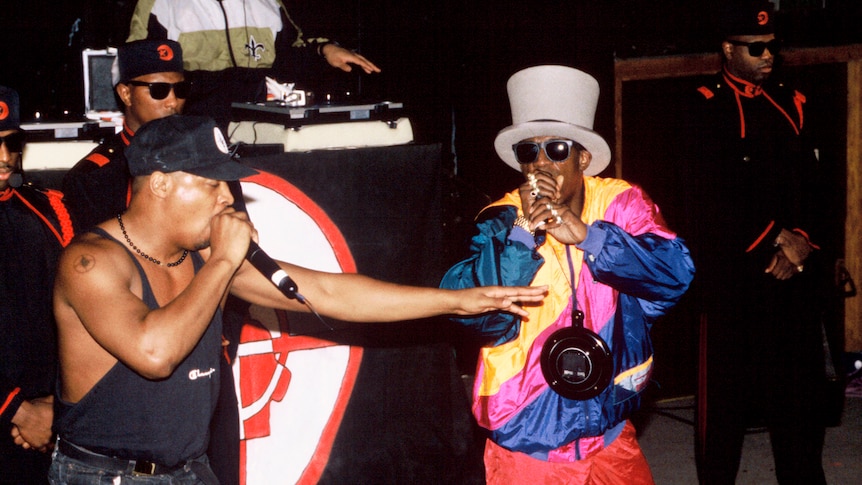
145	255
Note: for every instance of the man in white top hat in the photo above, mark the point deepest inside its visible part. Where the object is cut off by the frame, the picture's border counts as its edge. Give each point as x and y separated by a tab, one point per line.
554	390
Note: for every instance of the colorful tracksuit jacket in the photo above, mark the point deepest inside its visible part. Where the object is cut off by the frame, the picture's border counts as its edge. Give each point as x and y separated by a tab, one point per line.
628	271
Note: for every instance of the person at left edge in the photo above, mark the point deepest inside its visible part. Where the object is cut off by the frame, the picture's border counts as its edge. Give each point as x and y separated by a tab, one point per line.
34	227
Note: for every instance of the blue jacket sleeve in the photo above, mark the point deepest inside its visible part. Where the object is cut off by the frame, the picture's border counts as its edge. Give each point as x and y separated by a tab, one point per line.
654	269
495	259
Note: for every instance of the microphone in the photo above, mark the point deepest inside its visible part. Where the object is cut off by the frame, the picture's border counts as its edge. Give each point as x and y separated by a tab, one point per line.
539	234
269	268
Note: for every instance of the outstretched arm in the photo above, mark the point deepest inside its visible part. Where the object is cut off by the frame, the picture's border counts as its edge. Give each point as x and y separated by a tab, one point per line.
358	298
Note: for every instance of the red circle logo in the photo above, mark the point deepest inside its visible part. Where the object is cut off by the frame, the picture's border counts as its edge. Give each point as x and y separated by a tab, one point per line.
165	52
4	110
292	390
762	18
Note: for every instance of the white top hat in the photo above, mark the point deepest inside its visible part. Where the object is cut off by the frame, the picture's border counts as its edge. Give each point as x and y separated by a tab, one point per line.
553	101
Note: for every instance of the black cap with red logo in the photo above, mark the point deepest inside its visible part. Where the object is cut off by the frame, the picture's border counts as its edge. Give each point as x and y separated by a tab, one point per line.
142	57
10	119
752	17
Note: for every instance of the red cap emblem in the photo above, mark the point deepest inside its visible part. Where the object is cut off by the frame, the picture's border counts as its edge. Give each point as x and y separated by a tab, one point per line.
165	52
4	110
762	18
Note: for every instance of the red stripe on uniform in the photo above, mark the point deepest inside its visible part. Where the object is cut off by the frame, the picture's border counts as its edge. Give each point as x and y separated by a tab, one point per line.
762	236
98	159
9	399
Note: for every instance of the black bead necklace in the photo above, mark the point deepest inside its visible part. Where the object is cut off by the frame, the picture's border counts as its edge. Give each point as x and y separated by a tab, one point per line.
145	255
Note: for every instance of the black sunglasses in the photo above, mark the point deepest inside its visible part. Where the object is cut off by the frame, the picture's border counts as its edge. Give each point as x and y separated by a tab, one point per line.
161	90
755	49
555	150
14	141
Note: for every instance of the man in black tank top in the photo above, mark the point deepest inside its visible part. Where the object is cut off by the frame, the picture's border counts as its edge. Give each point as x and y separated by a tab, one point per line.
139	327
150	83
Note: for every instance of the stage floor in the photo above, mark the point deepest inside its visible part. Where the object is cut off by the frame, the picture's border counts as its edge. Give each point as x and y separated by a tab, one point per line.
666	435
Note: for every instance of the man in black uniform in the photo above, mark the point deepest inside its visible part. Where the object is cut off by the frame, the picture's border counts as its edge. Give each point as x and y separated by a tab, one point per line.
754	214
34	227
151	85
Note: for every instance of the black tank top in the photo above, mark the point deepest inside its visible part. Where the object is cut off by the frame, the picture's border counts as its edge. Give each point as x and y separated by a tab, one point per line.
164	421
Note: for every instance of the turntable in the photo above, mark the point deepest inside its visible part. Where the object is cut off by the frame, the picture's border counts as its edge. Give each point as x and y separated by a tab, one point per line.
320	126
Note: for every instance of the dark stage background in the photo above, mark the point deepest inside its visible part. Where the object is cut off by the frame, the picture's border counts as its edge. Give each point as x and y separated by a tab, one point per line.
448	62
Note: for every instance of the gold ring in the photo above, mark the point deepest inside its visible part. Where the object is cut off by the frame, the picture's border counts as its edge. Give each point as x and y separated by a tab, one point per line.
549	206
559	220
554	212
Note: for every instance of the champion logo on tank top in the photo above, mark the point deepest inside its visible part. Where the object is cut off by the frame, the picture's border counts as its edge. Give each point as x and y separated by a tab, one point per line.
196	374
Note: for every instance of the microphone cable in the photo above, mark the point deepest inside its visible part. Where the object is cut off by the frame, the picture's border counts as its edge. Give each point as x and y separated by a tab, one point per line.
308	305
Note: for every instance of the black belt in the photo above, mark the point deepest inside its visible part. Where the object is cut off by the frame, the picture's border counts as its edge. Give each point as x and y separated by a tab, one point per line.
140	467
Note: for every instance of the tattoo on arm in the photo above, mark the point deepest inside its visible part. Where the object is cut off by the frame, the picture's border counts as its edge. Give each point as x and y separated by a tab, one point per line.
85	263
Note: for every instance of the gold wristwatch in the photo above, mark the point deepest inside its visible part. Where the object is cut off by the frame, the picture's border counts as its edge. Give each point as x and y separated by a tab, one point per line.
523	223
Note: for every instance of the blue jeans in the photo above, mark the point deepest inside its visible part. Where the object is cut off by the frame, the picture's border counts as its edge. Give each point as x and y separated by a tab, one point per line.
68	471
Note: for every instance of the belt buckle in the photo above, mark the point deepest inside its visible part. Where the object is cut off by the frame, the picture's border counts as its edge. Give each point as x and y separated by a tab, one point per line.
144	468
